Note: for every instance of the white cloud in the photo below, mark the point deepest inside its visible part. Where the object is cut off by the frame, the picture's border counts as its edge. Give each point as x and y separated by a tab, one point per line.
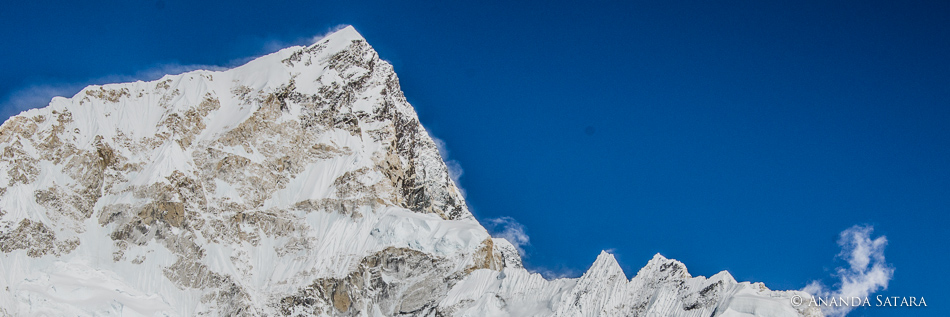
867	271
550	274
511	230
455	171
440	145
454	168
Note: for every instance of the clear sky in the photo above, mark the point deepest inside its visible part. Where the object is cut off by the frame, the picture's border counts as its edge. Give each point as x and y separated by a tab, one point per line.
730	135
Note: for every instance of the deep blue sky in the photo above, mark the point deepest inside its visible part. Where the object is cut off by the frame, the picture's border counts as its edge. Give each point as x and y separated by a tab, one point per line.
730	135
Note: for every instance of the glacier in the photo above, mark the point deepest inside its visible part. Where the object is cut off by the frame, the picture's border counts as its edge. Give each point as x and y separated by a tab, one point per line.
298	184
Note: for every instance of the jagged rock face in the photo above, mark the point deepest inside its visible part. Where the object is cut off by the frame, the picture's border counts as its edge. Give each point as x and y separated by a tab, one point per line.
301	183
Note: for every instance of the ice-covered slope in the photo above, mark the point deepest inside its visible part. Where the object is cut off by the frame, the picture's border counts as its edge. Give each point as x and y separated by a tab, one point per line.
300	183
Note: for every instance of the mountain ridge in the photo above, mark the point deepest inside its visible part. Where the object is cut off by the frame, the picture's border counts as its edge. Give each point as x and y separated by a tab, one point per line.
300	183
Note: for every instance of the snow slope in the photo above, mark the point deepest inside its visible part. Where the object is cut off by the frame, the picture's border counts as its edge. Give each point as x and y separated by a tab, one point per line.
300	183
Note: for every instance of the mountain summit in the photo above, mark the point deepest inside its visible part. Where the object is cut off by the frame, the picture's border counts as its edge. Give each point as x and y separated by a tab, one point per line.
300	183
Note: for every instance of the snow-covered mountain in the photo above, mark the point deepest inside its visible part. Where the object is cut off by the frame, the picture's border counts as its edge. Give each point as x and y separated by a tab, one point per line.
301	183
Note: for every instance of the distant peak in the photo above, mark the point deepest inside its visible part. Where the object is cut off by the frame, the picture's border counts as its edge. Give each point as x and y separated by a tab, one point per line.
605	255
605	263
659	265
659	258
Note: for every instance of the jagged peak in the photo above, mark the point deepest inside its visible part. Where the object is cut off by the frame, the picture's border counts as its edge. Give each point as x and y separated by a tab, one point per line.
605	258
724	276
661	267
605	264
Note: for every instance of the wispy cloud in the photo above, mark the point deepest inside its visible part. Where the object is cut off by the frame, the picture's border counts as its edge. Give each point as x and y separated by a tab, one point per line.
318	37
270	45
455	169
34	96
39	95
867	271
157	71
511	230
552	274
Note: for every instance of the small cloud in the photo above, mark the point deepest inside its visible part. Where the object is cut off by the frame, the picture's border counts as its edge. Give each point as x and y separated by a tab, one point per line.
563	272
455	169
511	230
867	271
440	145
